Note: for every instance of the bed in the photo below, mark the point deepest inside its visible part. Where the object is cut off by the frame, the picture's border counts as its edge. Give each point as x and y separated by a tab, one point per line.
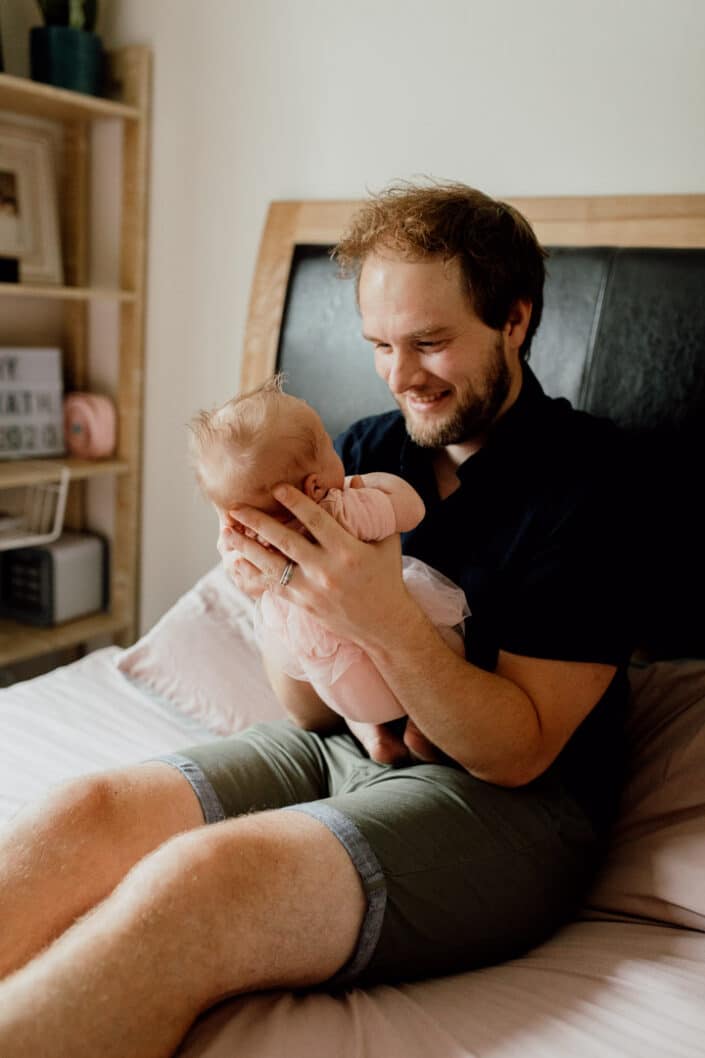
623	334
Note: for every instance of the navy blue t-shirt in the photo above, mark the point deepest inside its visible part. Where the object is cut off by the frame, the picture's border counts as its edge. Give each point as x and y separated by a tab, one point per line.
537	536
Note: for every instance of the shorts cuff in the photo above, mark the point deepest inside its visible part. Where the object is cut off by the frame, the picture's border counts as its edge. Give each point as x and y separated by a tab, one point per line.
373	882
201	785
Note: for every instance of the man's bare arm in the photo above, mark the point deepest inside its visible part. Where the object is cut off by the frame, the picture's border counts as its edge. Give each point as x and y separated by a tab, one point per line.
505	727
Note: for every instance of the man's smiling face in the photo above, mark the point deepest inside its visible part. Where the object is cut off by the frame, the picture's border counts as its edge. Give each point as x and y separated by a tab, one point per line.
450	373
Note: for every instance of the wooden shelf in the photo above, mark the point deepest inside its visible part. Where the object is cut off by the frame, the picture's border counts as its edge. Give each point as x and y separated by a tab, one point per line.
28	290
19	642
17	472
23	96
64	319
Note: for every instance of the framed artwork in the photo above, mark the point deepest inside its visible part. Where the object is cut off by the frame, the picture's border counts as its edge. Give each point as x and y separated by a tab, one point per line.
29	217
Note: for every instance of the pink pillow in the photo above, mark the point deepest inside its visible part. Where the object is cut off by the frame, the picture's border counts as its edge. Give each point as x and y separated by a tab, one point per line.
201	657
655	868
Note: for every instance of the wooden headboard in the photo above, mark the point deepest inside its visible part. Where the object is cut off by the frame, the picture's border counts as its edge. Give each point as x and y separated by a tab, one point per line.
676	221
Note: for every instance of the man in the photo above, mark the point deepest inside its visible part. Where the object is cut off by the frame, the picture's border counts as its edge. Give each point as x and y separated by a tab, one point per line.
324	866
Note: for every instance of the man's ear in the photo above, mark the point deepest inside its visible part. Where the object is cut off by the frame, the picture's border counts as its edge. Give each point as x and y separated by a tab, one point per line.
314	488
518	322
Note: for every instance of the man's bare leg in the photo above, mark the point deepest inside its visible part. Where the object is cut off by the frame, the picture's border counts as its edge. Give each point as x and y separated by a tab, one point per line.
64	854
269	900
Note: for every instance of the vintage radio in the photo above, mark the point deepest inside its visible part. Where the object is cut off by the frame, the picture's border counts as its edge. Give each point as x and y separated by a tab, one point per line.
55	582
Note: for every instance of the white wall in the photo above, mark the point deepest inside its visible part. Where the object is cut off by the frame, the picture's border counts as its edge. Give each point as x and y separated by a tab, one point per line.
262	99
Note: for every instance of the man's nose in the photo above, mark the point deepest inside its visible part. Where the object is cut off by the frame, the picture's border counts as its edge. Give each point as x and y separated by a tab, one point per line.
405	370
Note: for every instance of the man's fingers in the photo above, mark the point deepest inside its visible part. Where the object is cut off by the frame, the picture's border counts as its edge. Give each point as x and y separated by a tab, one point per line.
246	577
282	542
289	541
268	561
322	527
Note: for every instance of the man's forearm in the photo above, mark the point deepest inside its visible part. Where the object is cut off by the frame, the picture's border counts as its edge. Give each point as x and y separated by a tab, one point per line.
483	721
301	702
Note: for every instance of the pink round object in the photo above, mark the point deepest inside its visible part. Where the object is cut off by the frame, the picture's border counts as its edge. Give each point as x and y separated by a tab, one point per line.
89	425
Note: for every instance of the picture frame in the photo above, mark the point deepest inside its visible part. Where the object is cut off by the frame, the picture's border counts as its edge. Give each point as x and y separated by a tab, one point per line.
29	214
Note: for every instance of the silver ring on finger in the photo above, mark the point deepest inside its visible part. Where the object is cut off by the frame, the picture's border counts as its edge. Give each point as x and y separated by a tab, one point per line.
287	574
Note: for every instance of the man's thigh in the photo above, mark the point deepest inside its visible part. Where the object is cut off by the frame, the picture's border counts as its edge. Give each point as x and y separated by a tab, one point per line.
267	766
457	873
474	874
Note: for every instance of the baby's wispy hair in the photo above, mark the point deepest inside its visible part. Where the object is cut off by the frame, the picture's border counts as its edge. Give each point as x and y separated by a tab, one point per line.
229	436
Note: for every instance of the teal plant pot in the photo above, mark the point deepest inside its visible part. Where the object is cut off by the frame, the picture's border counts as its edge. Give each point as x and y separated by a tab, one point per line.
66	57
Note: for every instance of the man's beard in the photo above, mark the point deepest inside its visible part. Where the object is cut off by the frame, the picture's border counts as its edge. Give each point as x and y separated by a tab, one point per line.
475	412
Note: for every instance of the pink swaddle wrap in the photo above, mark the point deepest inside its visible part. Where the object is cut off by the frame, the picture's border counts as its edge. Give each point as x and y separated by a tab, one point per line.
89	425
340	672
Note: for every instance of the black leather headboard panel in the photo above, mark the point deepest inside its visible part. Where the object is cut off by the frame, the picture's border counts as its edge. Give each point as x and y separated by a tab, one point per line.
622	335
321	349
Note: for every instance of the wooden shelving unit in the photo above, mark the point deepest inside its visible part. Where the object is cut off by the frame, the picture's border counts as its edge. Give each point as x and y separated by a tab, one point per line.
130	69
27	290
18	472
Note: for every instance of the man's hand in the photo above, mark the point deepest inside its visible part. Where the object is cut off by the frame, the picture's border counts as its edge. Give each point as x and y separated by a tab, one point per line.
246	577
353	588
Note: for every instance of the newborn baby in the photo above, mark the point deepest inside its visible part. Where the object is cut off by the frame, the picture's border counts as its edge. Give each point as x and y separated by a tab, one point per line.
241	450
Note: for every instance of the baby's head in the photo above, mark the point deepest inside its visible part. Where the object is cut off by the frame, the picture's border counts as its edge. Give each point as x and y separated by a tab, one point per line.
243	448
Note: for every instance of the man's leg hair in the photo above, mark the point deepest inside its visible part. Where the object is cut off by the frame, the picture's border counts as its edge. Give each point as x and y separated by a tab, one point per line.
262	901
65	853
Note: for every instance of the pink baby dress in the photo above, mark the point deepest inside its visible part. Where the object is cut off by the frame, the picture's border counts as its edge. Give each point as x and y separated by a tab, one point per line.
340	672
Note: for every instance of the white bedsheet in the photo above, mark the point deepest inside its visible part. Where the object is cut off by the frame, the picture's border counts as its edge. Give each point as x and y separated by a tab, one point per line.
80	718
596	990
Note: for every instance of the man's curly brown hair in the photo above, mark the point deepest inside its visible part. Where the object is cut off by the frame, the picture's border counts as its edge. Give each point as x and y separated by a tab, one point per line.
500	256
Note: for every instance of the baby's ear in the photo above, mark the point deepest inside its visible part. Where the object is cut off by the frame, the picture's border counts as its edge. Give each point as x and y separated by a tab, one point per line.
314	488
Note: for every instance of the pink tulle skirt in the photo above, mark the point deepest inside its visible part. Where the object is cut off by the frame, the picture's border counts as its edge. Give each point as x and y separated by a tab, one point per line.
302	648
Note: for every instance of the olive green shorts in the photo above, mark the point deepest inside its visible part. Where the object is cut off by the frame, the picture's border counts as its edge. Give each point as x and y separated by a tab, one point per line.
458	873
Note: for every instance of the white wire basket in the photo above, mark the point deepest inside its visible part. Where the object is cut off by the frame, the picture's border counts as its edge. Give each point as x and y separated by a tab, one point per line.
35	513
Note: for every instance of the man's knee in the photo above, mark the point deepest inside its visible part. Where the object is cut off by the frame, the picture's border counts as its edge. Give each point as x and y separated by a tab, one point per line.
82	805
279	878
134	809
211	861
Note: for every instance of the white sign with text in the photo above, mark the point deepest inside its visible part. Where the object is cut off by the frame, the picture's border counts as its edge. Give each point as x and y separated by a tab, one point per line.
31	403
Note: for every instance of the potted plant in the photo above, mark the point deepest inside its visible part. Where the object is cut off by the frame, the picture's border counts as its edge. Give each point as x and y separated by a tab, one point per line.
66	51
